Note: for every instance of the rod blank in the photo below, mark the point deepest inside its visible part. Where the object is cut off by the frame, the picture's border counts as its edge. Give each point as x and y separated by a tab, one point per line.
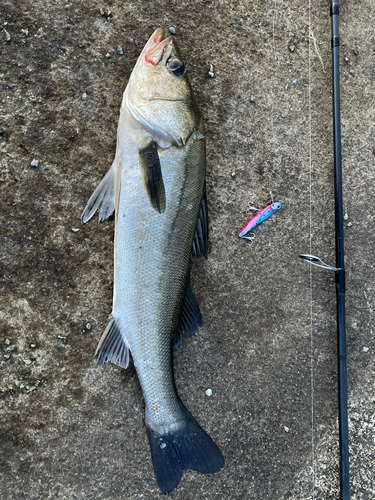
340	273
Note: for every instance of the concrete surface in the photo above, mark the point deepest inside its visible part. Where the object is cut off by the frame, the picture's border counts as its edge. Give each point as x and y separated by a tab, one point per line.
72	431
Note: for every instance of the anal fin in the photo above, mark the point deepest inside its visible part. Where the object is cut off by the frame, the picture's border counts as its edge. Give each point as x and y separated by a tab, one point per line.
112	347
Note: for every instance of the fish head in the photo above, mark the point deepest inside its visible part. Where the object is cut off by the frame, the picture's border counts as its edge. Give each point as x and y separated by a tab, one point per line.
159	94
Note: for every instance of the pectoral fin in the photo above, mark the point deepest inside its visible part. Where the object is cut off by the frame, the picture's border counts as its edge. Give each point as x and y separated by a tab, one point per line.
152	176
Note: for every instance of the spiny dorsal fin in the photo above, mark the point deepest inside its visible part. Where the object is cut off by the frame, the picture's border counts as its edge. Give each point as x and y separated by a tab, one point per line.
190	318
103	198
200	241
112	347
152	176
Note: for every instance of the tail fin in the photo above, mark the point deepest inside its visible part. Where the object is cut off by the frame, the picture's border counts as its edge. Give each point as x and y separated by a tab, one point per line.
188	448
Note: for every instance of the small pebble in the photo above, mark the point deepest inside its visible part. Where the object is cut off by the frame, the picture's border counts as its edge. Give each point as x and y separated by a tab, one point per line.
365	349
252	98
88	326
346	216
75	229
7	356
108	55
84	96
291	48
162	446
233	174
104	13
355	52
346	59
34	163
7	342
295	81
25	32
286	86
22	386
7	34
172	30
286	429
211	73
120	51
350	224
32	346
209	392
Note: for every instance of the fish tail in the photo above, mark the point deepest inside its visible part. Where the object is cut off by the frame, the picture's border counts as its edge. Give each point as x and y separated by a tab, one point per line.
188	448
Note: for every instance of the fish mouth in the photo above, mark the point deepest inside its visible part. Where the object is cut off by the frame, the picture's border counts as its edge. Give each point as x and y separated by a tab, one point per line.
156	46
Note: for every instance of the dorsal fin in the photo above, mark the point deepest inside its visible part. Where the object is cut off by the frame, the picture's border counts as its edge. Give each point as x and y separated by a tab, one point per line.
152	176
190	318
200	241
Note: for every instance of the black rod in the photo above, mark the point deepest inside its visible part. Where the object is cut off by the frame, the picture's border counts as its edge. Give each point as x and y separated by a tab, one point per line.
340	273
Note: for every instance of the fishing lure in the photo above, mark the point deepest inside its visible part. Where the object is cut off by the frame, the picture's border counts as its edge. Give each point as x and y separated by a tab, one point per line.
258	218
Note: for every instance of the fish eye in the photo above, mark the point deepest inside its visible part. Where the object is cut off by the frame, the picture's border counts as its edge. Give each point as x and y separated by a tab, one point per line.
176	66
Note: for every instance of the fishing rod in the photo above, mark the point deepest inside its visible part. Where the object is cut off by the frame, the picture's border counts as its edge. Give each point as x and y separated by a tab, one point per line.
339	269
340	273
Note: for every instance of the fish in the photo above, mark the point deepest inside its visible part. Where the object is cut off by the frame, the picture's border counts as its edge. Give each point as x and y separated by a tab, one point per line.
156	187
259	218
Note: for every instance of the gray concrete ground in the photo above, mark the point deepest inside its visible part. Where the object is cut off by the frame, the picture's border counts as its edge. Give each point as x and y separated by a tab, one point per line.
72	431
